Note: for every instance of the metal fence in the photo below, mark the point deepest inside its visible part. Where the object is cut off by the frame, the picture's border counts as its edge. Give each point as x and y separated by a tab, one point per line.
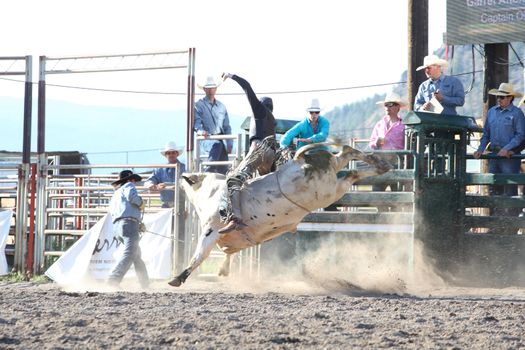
10	192
73	203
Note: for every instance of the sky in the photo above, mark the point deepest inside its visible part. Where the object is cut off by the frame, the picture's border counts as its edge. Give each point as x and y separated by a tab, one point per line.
282	48
279	46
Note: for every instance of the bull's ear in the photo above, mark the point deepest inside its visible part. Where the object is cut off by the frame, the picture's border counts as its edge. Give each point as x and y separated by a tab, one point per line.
189	180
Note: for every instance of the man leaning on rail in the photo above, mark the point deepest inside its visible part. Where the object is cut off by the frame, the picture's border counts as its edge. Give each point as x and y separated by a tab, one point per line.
211	118
503	133
163	178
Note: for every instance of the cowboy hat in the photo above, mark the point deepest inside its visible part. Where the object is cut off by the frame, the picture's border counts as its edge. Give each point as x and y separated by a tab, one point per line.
170	146
314	106
505	89
431	60
126	175
392	97
210	83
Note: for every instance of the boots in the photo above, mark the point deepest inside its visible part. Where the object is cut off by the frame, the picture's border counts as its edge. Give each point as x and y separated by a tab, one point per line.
235	222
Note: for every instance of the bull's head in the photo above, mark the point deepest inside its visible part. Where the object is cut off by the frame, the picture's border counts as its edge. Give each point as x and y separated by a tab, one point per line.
202	184
204	191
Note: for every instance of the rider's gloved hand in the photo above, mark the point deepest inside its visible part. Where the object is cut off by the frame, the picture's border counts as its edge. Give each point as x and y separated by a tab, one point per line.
226	75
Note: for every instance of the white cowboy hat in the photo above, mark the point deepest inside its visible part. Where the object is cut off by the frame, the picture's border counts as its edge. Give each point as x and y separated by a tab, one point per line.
505	89
392	97
210	83
170	146
432	60
314	106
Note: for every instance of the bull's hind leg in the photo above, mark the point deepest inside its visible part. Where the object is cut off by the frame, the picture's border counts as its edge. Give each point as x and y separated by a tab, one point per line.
380	165
225	268
346	155
349	153
206	243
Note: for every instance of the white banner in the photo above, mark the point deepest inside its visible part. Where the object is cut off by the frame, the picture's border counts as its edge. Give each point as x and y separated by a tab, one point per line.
95	254
5	224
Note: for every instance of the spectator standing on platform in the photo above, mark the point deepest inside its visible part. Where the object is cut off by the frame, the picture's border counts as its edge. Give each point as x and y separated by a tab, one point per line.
211	118
167	177
503	132
446	89
126	212
313	129
389	134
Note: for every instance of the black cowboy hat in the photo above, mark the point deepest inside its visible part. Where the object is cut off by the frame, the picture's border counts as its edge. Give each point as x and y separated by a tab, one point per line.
126	175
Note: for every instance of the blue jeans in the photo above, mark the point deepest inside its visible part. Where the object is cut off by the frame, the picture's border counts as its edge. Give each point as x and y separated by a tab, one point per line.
127	231
504	166
217	153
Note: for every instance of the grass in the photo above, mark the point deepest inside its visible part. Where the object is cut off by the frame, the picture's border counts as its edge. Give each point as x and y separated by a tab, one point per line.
15	277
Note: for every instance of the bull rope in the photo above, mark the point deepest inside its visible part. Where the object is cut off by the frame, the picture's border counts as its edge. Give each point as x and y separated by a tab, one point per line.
285	196
158	234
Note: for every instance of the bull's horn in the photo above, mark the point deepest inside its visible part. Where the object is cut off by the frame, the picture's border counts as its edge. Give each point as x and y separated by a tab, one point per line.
188	179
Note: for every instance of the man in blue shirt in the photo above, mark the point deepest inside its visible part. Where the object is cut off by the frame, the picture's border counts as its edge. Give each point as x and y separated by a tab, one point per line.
503	132
125	209
447	90
211	118
167	177
313	129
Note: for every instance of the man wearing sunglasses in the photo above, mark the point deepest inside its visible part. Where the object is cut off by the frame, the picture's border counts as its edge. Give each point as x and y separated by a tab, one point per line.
389	134
503	133
447	90
313	129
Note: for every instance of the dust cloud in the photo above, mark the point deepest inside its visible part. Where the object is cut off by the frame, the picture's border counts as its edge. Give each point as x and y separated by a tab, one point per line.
366	264
342	264
371	265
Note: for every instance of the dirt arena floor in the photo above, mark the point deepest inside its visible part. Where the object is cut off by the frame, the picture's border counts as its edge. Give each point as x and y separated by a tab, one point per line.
232	314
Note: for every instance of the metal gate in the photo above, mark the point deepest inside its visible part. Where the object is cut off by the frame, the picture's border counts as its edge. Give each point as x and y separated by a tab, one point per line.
73	203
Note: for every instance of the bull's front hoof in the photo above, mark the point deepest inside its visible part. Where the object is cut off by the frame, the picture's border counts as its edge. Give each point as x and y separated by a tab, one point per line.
180	279
176	282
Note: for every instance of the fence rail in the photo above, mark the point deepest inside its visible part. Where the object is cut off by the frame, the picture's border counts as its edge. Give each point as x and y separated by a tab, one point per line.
71	204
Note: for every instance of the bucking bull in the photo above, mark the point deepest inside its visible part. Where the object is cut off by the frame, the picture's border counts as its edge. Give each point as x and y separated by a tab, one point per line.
274	203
